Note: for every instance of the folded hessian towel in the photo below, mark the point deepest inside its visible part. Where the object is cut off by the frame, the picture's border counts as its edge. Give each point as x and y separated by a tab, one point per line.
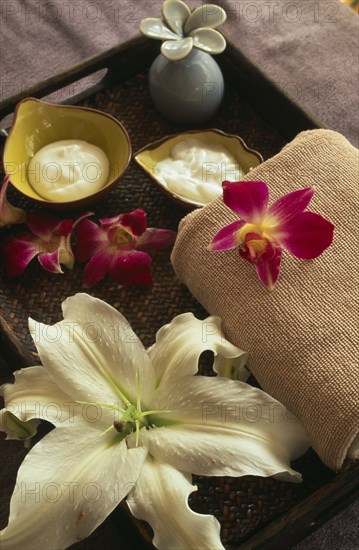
302	336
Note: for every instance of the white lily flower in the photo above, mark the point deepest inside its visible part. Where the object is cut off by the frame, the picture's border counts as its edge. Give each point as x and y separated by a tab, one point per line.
135	423
183	30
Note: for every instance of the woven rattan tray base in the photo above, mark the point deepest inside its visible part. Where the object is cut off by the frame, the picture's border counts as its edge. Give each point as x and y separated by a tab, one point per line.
245	505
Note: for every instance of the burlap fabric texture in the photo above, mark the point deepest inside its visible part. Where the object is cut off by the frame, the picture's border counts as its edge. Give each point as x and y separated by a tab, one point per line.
302	336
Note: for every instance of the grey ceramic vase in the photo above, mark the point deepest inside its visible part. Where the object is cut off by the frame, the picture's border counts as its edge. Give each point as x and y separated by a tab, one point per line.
188	91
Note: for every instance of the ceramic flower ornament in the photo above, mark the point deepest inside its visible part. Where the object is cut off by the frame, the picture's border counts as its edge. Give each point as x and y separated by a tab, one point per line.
49	240
264	231
119	247
182	30
9	214
135	423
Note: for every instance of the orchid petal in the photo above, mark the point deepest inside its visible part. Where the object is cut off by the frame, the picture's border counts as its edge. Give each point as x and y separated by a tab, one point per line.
156	239
208	40
268	271
97	268
43	224
93	354
73	493
179	345
288	206
15	428
178	49
176	13
110	221
90	237
160	497
226	238
224	427
50	261
135	221
34	395
153	27
307	235
248	199
208	15
9	214
131	268
17	255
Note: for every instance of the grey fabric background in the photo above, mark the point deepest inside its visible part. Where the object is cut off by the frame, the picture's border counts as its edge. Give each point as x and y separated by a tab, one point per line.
310	47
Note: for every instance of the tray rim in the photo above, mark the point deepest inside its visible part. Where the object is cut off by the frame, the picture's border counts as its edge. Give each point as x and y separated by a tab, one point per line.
133	56
137	53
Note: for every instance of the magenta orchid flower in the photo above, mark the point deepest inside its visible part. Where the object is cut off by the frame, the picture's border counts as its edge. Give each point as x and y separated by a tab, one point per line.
49	240
118	247
9	214
263	232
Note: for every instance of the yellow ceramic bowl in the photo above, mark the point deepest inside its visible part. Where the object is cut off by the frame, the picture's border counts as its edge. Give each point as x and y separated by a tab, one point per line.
153	153
38	123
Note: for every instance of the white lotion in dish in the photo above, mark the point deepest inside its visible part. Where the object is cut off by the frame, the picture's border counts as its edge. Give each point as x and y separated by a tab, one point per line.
68	170
195	170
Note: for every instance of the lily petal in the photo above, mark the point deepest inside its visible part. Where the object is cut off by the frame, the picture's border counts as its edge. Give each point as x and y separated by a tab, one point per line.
307	235
90	237
131	268
226	238
34	395
18	254
224	427
208	15
75	495
97	268
93	353
209	40
9	214
156	239
50	261
155	28
248	199
159	492
179	345
176	14
217	402
15	428
288	206
178	49
268	271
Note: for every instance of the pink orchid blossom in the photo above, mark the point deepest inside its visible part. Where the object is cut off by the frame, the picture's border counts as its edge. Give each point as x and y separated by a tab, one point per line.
9	214
118	247
263	232
49	240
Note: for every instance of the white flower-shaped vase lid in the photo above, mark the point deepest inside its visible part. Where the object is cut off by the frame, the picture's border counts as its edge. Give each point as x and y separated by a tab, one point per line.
182	30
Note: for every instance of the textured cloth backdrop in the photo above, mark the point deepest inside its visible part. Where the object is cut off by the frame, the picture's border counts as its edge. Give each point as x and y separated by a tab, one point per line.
308	48
302	336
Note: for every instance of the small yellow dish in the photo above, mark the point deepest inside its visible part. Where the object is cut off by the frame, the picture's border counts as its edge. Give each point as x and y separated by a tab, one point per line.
38	123
154	152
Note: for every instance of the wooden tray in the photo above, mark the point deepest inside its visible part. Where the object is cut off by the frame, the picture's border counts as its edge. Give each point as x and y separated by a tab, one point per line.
254	512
